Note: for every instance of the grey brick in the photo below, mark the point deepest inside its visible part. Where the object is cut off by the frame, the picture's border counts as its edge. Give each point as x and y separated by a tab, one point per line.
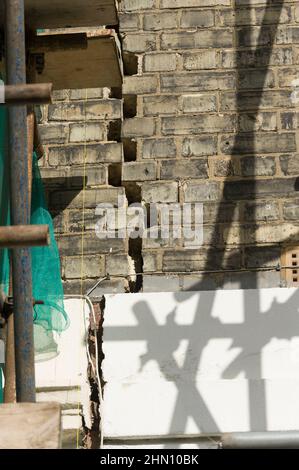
263	211
160	62
197	125
197	39
172	169
199	146
194	3
259	143
93	153
253	100
138	127
199	103
133	42
159	21
160	192
251	166
159	148
87	132
200	81
291	210
140	85
251	189
136	5
197	19
202	191
89	266
289	164
200	60
139	171
160	104
197	260
53	134
257	257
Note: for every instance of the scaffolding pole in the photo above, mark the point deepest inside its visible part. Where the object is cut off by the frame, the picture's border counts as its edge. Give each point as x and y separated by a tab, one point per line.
20	207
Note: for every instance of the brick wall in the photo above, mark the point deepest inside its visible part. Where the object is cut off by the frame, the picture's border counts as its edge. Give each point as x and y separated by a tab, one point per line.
209	116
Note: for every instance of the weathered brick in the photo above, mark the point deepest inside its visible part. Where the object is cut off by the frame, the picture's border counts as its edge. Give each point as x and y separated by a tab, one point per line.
90	197
129	21
136	5
289	164
86	110
197	260
246	16
86	94
139	171
197	19
159	21
88	132
139	42
248	143
160	104
140	85
252	58
199	146
119	265
251	189
287	77
94	175
202	191
200	60
200	81
263	211
71	245
53	134
198	124
159	148
93	153
150	262
159	192
263	121
197	39
289	120
266	256
160	62
138	127
88	266
251	166
194	3
291	210
253	100
199	103
224	167
172	169
253	36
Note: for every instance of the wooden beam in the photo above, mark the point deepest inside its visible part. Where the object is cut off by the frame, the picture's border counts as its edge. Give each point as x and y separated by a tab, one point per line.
30	426
97	66
42	14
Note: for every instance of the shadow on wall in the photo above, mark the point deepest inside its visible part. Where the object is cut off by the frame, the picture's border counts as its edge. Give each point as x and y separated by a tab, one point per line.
258	326
252	315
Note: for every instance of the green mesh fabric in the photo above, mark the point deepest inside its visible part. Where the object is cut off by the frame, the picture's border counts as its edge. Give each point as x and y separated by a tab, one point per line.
46	281
50	318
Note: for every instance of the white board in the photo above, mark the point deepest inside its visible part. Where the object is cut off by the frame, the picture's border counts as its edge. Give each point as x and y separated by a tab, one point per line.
190	363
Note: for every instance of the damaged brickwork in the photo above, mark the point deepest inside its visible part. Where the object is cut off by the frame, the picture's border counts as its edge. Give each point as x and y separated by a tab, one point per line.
208	113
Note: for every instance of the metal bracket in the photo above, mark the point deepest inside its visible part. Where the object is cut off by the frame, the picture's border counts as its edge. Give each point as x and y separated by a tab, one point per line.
7	307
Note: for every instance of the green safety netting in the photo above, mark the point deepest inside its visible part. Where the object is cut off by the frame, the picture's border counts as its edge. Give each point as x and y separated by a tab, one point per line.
49	318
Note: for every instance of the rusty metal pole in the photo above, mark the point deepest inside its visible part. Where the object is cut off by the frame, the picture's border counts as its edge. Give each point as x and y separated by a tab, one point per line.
20	208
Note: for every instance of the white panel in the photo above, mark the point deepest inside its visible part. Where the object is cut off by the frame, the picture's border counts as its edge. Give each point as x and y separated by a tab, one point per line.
200	362
66	369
